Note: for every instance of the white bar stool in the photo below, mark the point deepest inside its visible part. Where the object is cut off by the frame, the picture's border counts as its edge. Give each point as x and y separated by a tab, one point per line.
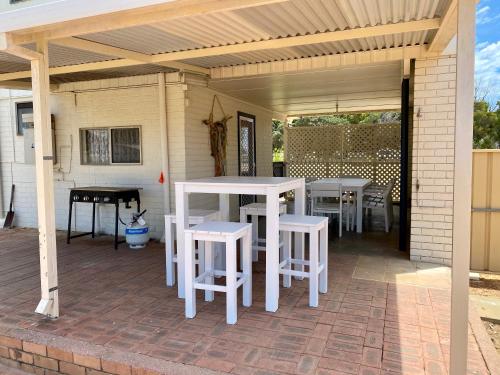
228	233
196	216
317	227
255	210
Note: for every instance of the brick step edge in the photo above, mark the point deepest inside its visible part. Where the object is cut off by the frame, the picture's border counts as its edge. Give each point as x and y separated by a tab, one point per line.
10	370
38	352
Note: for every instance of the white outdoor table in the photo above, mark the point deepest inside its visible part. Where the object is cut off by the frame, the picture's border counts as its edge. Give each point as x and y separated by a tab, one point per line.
271	187
356	185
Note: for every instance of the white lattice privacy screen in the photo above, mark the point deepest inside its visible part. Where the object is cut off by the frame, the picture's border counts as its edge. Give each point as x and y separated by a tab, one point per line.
368	150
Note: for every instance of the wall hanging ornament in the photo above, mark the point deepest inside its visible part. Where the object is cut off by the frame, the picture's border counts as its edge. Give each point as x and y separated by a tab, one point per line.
218	138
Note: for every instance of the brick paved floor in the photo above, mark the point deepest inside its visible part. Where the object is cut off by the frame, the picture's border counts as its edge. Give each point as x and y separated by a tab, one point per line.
119	299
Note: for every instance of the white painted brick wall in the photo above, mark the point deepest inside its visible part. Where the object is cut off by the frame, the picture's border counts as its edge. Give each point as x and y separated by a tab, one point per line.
433	160
199	161
113	107
189	152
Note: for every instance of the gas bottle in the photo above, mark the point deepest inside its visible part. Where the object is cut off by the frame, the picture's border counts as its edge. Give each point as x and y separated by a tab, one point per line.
137	231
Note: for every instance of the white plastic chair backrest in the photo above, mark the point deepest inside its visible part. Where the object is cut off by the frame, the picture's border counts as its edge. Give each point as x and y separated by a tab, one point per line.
389	187
326	189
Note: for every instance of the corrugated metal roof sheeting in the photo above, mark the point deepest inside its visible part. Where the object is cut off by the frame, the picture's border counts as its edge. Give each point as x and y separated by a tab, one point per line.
9	63
144	39
58	56
319	49
291	18
62	56
294	17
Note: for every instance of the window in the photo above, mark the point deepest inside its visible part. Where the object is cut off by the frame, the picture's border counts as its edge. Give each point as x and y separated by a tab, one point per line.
21	109
105	146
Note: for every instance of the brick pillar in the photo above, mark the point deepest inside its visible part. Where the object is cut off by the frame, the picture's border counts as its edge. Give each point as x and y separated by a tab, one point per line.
432	159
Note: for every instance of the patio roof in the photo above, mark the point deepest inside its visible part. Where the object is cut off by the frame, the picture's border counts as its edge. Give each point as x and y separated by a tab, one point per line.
229	33
342	89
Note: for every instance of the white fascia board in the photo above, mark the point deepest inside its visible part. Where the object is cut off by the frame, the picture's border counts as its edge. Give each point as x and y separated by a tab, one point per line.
54	11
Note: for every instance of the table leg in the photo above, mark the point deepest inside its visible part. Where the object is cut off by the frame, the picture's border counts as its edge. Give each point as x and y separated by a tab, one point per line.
299	209
117	213
182	217
220	253
359	210
68	238
93	219
272	250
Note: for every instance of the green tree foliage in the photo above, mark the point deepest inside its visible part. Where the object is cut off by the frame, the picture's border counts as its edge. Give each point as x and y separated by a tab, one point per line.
486	125
349	118
277	135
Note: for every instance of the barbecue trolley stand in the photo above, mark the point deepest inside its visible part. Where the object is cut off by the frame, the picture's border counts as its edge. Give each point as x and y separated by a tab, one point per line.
102	195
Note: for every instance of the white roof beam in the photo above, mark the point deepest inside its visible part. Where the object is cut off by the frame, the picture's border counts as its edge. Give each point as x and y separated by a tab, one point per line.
446	31
320	62
87	45
295	65
326	37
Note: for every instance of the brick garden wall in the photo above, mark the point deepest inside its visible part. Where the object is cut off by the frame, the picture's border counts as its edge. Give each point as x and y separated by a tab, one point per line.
433	160
43	354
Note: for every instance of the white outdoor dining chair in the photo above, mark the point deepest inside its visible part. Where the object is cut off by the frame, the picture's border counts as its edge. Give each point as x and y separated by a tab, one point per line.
332	191
381	197
309	181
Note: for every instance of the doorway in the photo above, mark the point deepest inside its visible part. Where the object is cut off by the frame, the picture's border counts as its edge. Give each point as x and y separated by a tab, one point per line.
246	151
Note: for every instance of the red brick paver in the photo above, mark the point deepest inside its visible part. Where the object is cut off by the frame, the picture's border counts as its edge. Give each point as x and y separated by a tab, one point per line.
119	300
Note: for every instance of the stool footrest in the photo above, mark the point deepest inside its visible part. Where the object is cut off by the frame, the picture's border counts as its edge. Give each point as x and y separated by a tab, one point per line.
263	248
200	284
294	273
291	261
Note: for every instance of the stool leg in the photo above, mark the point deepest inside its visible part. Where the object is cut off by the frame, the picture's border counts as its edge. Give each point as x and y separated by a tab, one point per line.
189	273
313	269
201	257
323	259
298	252
255	237
243	219
169	252
209	267
247	269
231	292
287	243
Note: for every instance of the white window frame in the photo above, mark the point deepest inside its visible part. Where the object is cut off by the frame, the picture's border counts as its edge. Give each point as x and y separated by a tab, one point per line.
110	149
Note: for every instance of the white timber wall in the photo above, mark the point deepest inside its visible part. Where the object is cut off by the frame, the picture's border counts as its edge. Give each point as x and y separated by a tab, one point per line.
433	159
199	162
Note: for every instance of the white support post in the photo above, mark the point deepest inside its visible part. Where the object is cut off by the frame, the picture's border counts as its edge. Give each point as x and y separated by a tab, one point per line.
49	304
462	186
162	96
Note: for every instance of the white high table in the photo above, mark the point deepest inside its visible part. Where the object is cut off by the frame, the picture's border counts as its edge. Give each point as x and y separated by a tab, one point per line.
271	187
356	185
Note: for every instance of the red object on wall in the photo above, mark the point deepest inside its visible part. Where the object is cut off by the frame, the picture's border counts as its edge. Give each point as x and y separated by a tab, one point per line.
161	180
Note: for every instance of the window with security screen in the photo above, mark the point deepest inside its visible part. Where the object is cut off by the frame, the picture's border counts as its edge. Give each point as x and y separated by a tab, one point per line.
107	146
